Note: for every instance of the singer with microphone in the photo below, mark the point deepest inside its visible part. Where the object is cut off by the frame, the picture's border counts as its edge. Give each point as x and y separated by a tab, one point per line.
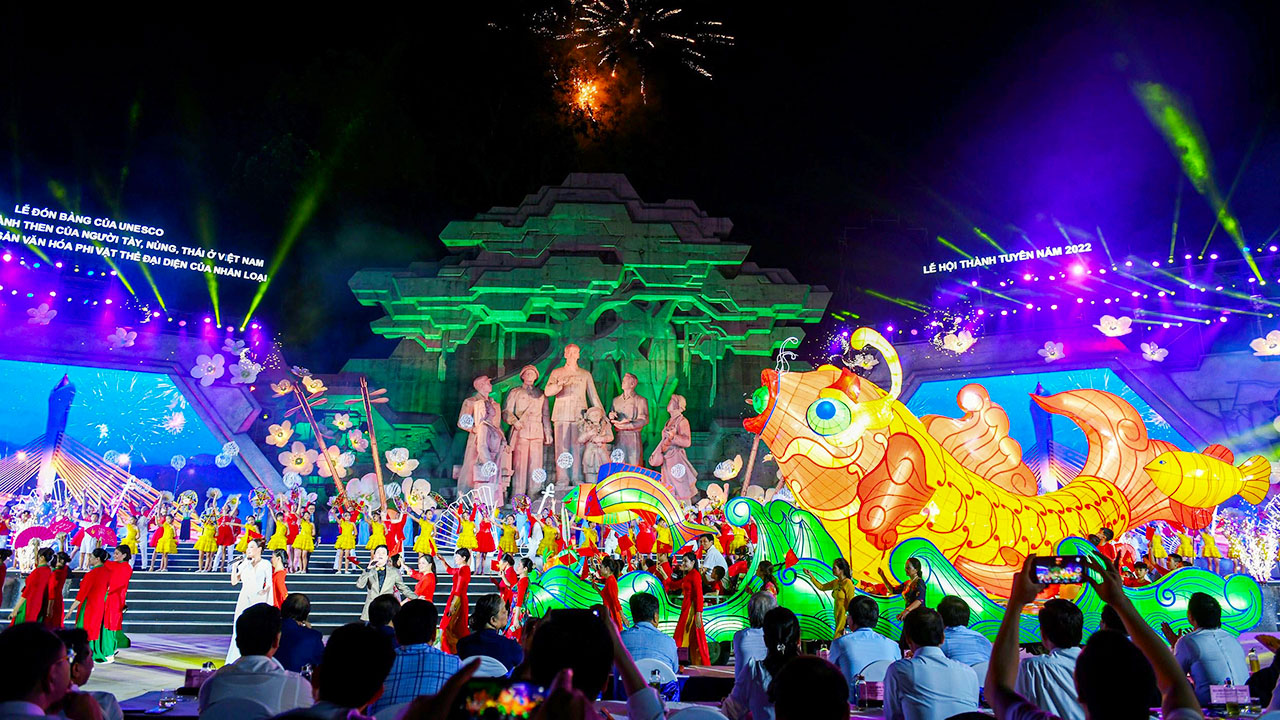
381	578
253	575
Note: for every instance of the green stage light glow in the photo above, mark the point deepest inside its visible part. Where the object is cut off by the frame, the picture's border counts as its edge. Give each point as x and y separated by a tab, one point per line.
904	302
204	227
60	194
951	246
978	231
1177	210
1106	248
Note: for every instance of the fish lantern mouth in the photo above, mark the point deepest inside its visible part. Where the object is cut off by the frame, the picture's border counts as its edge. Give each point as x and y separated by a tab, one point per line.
763	401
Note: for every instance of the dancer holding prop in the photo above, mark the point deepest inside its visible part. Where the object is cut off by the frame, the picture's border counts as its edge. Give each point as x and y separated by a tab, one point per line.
689	630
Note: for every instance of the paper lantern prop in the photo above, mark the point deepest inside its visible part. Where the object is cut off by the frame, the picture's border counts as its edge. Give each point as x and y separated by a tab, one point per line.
565	460
539	476
392	490
230	449
861	462
177	462
292	480
259	497
617	455
222	460
624	492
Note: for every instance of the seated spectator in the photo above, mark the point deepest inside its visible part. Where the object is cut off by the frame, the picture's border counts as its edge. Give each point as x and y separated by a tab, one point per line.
487	621
300	645
643	640
35	675
1110	620
710	555
782	639
76	641
382	612
961	643
1114	677
748	643
1048	681
257	674
1209	654
420	668
862	646
809	688
349	678
928	685
588	644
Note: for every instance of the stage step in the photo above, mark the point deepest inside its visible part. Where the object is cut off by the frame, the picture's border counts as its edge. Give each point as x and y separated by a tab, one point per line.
185	601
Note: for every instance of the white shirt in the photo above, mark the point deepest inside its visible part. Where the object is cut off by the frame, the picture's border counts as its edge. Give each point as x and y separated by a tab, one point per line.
1210	657
929	686
260	678
1048	681
255	587
748	645
714	558
1023	710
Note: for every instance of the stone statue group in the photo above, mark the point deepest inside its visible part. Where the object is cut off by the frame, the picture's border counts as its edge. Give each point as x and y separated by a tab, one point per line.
565	414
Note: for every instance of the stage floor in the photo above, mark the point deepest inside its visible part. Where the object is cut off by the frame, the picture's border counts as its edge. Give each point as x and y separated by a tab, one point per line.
157	662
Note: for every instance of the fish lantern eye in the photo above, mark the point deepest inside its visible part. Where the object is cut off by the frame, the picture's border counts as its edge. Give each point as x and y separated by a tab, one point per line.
760	399
828	416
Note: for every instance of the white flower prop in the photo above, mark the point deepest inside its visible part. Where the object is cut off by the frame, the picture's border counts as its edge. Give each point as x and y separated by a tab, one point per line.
41	314
342	421
207	369
177	462
230	448
866	361
222	460
233	347
728	469
1051	351
300	371
1153	352
278	435
292	480
678	472
282	388
1114	326
466	422
565	460
539	476
399	462
298	459
1268	346
330	464
121	338
489	469
314	386
347	459
958	342
358	441
245	372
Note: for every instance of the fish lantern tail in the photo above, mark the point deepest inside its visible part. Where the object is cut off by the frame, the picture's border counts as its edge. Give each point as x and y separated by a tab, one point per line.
1257	479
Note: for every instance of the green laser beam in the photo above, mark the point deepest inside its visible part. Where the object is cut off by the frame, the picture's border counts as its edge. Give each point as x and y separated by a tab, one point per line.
909	304
1177	210
978	231
952	246
1105	247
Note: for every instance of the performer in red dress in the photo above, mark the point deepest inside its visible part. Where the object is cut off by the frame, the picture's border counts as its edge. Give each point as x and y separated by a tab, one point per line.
610	568
458	604
395	531
121	567
35	593
689	630
484	537
225	537
646	537
426	577
506	578
57	581
515	626
90	605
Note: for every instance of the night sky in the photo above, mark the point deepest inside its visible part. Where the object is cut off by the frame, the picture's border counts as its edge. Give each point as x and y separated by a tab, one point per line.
840	143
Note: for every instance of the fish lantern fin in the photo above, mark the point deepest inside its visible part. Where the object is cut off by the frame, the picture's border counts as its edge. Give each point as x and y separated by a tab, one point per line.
1219	452
893	491
1257	479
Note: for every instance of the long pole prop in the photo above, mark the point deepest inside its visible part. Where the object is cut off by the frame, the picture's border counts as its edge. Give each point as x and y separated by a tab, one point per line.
751	464
324	450
373	442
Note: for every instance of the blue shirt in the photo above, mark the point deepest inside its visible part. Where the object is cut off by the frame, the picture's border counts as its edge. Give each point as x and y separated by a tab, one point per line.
854	651
929	686
748	645
489	642
1049	682
418	670
967	646
298	646
644	640
1210	657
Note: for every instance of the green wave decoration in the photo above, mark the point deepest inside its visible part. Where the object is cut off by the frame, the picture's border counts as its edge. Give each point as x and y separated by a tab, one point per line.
782	527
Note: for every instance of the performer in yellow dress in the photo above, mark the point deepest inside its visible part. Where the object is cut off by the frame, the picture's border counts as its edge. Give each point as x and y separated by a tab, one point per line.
547	548
249	530
508	542
425	543
206	545
842	590
168	543
1155	547
1186	548
377	531
345	545
130	539
279	538
740	541
305	541
1212	556
587	548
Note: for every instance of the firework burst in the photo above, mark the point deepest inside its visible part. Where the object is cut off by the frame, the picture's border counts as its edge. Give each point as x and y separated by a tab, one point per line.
643	31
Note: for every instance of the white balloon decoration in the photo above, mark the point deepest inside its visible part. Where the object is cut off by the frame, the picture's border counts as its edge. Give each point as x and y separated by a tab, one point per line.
565	461
617	455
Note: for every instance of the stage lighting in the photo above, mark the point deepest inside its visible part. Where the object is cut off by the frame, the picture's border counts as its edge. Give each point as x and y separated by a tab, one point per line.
1272	248
208	320
1128	263
1155	263
1004	312
155	314
53	293
1079	301
254	326
1077	269
1187	256
1026	276
7	257
21	454
1213	256
182	323
1029	306
57	264
122	459
109	301
889	328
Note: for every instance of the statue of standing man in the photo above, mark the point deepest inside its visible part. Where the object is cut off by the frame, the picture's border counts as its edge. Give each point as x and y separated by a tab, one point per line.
527	414
629	416
482	462
571	386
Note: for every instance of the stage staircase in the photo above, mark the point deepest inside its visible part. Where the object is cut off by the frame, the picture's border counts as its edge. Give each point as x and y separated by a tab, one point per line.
184	601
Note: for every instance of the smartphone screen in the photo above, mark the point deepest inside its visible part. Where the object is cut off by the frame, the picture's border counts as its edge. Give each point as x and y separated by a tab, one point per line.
1059	569
497	699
